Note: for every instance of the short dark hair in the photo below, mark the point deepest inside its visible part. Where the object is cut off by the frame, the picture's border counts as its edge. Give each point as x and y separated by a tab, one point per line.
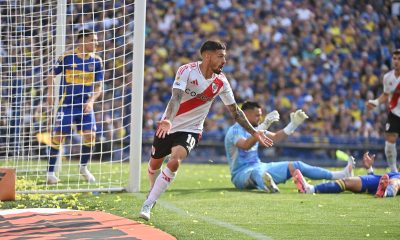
84	33
212	46
249	105
396	52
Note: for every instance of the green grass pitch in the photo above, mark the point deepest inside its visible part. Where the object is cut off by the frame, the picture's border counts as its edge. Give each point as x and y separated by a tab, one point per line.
203	204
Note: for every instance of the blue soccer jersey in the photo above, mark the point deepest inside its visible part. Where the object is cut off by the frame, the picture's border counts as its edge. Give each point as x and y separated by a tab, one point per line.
370	182
239	158
79	76
77	84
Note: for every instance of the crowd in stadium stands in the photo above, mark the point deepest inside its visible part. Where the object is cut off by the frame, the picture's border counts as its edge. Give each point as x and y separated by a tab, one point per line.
326	57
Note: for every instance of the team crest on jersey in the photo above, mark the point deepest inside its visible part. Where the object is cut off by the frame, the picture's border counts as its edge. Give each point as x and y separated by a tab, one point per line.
214	87
387	126
91	67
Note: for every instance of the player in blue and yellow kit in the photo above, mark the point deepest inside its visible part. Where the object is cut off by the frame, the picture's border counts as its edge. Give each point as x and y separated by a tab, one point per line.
386	185
81	85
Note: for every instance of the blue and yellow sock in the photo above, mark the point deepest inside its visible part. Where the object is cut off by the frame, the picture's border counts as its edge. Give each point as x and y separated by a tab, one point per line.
337	186
86	153
54	151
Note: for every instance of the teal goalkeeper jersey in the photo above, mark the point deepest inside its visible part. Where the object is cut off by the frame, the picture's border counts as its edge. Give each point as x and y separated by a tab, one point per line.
239	158
79	76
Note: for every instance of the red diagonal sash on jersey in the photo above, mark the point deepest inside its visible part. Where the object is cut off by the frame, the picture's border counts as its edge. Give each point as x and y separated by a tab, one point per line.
395	98
195	102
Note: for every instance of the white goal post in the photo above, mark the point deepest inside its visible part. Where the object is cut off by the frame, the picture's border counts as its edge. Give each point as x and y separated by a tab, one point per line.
34	34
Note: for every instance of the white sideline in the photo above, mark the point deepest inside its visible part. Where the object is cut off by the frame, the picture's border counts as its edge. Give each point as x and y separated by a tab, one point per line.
210	220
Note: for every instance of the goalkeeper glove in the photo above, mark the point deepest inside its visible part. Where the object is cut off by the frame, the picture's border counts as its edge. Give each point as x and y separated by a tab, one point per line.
296	118
269	119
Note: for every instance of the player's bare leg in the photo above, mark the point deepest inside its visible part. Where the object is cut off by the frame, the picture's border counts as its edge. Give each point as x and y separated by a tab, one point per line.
178	153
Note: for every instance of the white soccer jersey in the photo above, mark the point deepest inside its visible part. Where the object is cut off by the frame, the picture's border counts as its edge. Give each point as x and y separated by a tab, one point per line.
391	86
198	97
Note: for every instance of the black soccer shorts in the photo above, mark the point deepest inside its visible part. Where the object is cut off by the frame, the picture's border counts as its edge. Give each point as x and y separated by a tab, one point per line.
392	124
162	146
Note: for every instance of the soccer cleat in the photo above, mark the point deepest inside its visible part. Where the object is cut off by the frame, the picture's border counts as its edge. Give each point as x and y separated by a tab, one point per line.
269	183
301	183
146	211
52	178
383	183
87	175
391	191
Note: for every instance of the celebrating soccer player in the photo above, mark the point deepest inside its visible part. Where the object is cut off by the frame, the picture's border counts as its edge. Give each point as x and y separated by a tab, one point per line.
196	86
81	85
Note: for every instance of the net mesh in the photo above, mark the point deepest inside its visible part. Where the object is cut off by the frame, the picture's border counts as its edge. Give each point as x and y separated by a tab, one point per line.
32	41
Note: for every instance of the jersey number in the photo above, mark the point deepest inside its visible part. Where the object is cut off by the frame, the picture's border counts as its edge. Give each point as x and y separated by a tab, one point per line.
191	141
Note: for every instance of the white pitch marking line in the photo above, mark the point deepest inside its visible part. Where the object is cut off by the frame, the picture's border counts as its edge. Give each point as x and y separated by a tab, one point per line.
210	220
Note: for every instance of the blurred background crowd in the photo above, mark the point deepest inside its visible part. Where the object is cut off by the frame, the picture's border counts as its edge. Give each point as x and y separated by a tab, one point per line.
326	57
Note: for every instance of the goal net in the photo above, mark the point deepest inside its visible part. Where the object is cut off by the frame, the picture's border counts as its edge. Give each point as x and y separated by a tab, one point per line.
34	35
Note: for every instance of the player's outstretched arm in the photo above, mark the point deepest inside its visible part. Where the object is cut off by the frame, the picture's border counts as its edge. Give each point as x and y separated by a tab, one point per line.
240	118
164	126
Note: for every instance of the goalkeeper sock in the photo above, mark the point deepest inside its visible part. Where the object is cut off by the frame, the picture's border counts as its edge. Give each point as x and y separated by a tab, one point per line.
330	187
161	184
391	155
311	171
86	153
53	158
152	174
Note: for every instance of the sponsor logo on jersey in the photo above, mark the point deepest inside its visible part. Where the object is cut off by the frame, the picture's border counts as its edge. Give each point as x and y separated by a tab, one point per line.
200	96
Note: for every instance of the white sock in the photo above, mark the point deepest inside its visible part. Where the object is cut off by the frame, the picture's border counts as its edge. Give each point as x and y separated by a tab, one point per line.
391	155
161	184
310	189
152	174
338	174
346	172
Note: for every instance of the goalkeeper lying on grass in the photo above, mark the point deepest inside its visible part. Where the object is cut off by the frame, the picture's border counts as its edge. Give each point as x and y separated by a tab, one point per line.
382	186
247	170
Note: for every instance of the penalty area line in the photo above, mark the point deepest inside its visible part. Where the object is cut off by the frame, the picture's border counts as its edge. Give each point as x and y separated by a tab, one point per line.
210	220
